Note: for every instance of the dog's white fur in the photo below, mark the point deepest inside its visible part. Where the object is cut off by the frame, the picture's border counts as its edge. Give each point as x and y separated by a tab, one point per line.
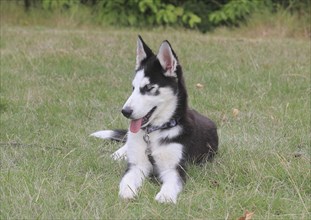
167	156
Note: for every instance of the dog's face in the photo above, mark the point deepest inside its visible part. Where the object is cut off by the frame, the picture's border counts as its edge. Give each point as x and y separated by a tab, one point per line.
155	85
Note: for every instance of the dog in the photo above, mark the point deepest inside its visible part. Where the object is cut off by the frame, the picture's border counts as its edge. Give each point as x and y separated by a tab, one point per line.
164	133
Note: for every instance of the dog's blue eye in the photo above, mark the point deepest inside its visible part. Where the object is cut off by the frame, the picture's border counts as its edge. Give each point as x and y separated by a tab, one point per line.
133	88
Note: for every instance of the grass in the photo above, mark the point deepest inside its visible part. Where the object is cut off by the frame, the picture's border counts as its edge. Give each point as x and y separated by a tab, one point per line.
280	24
58	85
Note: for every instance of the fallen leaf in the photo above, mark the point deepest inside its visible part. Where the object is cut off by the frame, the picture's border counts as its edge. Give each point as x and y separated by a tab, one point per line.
199	85
247	215
235	112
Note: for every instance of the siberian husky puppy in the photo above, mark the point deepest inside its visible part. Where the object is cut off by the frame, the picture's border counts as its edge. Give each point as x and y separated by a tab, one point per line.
164	132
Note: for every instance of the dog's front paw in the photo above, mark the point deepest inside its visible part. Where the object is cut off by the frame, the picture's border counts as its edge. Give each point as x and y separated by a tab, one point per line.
166	197
127	192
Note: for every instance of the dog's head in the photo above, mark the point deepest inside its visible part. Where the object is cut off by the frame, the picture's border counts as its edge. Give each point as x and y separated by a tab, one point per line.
155	85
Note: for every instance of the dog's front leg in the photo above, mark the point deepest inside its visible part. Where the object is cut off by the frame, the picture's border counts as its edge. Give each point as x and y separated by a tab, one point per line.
132	180
167	159
139	166
172	186
138	169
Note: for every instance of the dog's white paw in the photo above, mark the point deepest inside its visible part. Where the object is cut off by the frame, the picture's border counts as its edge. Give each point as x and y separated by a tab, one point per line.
127	192
165	196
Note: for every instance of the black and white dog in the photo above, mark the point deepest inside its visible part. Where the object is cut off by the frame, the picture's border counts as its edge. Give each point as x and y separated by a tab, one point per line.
163	133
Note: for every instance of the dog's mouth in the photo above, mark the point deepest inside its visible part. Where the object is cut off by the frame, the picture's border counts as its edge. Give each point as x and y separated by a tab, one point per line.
136	124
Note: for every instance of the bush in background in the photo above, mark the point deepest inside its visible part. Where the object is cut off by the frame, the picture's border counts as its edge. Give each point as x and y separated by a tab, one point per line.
204	15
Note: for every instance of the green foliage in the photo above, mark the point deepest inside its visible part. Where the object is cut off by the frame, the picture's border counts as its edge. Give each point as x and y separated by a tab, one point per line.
59	4
145	13
234	11
203	15
167	14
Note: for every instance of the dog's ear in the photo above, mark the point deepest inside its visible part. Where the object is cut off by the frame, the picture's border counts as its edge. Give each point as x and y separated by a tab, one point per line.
168	59
142	51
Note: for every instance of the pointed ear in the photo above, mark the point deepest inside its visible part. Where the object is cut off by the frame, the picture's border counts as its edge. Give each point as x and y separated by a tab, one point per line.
168	59
142	52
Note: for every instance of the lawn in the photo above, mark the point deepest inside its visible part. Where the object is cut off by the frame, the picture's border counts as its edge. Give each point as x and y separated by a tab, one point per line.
58	85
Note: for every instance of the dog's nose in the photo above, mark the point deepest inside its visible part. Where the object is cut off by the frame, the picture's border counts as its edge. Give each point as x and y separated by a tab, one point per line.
127	112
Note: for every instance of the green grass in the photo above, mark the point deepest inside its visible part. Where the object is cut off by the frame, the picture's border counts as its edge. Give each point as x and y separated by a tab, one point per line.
59	85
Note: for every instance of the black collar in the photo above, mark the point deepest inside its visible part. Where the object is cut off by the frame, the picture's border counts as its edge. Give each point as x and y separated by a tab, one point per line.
170	124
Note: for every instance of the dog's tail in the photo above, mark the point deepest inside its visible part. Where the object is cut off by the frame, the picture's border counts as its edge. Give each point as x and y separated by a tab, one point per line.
115	135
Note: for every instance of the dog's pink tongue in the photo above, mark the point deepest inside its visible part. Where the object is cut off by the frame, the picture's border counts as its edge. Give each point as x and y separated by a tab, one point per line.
135	125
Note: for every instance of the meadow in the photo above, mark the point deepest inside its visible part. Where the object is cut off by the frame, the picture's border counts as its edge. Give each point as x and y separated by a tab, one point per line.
58	85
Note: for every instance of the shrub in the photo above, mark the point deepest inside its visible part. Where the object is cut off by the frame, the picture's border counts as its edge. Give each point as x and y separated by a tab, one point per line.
145	13
200	14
